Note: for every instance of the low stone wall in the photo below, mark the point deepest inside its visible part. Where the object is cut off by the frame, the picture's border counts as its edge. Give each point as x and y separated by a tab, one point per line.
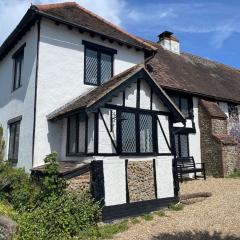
80	183
141	181
230	164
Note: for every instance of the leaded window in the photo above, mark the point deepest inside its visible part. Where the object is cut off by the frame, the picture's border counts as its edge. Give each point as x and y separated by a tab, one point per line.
183	103
136	133
98	64
18	58
182	145
233	112
76	142
14	142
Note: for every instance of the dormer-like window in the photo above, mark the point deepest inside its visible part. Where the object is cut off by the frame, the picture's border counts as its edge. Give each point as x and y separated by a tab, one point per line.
183	103
18	58
98	63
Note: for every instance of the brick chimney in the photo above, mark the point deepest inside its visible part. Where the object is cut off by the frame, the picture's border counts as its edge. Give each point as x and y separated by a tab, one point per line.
169	42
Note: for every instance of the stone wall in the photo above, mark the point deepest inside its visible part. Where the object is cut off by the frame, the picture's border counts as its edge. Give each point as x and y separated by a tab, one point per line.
80	183
141	183
218	149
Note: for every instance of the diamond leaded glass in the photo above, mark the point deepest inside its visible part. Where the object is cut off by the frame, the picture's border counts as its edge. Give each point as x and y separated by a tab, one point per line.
146	136
91	67
128	132
106	67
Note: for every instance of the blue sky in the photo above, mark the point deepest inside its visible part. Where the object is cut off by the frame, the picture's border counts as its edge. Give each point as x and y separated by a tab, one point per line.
210	29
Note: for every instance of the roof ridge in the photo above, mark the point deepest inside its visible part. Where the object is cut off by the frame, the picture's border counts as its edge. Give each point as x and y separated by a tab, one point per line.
49	6
213	61
42	7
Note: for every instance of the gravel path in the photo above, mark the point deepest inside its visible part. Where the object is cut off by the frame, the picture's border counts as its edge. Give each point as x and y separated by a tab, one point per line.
215	218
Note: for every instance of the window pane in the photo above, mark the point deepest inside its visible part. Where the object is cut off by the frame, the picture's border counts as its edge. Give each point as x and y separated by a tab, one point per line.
175	99
18	64
14	142
106	67
184	106
128	132
184	145
176	145
82	133
233	112
72	135
146	138
91	66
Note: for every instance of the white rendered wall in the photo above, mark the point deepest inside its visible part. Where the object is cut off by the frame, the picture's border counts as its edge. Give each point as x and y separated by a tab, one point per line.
164	176
21	101
194	138
61	70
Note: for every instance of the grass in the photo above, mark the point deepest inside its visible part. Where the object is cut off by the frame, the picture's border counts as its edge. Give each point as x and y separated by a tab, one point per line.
235	174
147	217
104	232
160	213
135	220
176	207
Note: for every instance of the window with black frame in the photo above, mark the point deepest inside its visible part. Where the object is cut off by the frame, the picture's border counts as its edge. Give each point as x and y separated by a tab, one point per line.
184	104
233	112
14	141
18	58
76	141
136	133
98	63
182	145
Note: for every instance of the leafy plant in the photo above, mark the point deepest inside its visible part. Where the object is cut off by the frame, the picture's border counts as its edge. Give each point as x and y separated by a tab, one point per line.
135	220
61	218
161	213
2	144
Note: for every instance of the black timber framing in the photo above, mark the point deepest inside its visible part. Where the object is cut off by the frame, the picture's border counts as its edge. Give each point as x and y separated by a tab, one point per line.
141	74
96	123
155	177
164	135
126	179
110	213
109	134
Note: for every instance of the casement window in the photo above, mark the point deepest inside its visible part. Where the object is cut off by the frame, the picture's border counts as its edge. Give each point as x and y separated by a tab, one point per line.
182	145
14	141
18	59
76	140
136	133
233	112
184	104
98	63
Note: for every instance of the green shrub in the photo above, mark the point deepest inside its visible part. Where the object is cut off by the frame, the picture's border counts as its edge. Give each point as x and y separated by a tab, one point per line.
135	220
176	207
148	217
7	210
61	218
17	189
161	213
2	144
235	174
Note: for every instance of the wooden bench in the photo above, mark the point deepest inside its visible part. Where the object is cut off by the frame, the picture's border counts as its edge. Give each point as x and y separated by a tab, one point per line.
187	165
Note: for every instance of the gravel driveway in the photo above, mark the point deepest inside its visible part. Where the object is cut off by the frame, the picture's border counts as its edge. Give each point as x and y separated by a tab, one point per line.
215	218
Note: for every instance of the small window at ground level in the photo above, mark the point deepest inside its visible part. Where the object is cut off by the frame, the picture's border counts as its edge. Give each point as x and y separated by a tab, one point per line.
76	141
17	68
14	142
182	145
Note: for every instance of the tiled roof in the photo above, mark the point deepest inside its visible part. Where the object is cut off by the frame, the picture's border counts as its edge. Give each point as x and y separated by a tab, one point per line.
213	109
73	13
195	75
89	98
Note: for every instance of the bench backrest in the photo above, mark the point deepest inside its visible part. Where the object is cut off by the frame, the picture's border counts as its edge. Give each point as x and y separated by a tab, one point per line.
186	161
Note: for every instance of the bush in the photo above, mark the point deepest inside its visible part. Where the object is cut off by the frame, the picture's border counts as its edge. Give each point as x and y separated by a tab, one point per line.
176	207
7	210
17	188
61	218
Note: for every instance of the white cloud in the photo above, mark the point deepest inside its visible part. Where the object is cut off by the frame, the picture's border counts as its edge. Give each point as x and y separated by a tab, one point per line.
11	11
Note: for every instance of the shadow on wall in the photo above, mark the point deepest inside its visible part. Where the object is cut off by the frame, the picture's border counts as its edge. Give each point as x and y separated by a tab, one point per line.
196	235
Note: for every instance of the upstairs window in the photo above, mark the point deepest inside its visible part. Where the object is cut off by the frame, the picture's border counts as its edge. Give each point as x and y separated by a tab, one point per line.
184	104
233	112
18	58
14	141
98	61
